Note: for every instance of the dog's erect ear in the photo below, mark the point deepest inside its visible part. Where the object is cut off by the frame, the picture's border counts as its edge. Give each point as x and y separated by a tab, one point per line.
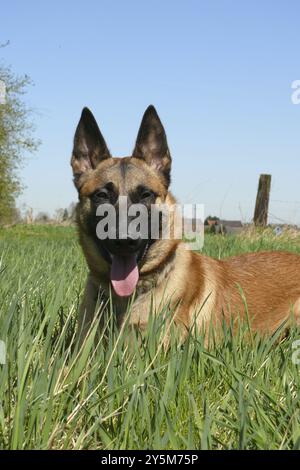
151	144
89	145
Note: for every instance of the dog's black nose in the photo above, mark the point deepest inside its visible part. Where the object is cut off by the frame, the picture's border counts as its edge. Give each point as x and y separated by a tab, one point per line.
124	246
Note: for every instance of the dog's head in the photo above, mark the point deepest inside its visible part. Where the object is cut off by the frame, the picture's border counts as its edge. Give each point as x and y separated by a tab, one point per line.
142	179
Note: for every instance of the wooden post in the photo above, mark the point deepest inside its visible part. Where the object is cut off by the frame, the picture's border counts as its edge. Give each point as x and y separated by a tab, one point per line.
262	201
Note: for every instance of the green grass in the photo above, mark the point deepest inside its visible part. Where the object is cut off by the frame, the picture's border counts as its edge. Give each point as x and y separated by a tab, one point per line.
235	396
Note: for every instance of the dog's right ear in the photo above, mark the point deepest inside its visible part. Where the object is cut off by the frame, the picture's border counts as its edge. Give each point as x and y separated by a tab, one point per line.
89	145
151	144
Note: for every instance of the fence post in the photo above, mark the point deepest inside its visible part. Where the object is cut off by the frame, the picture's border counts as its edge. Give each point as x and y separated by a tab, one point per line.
262	201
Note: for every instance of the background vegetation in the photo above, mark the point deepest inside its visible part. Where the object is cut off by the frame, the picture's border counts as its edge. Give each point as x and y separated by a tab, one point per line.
16	139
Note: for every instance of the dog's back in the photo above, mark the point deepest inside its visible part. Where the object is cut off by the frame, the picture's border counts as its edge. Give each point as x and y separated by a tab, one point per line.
264	286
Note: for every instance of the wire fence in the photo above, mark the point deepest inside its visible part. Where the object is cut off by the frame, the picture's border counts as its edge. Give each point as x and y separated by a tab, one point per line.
284	212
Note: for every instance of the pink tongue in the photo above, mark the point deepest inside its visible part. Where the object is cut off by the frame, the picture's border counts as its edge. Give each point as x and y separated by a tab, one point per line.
124	274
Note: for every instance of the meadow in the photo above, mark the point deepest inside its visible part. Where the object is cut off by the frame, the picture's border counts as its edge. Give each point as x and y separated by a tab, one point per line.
240	394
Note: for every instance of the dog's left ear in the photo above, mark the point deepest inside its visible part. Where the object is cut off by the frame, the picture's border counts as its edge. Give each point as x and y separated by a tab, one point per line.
151	144
89	145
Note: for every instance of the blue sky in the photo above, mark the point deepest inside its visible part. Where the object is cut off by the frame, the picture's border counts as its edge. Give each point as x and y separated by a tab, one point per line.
218	72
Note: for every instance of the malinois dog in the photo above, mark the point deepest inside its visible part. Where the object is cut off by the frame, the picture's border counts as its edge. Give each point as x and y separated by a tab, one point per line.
152	272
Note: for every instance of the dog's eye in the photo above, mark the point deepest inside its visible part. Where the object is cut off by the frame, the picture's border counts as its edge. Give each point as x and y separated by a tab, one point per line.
146	194
100	196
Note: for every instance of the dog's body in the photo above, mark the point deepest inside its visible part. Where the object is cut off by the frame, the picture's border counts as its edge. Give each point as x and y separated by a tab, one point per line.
198	290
